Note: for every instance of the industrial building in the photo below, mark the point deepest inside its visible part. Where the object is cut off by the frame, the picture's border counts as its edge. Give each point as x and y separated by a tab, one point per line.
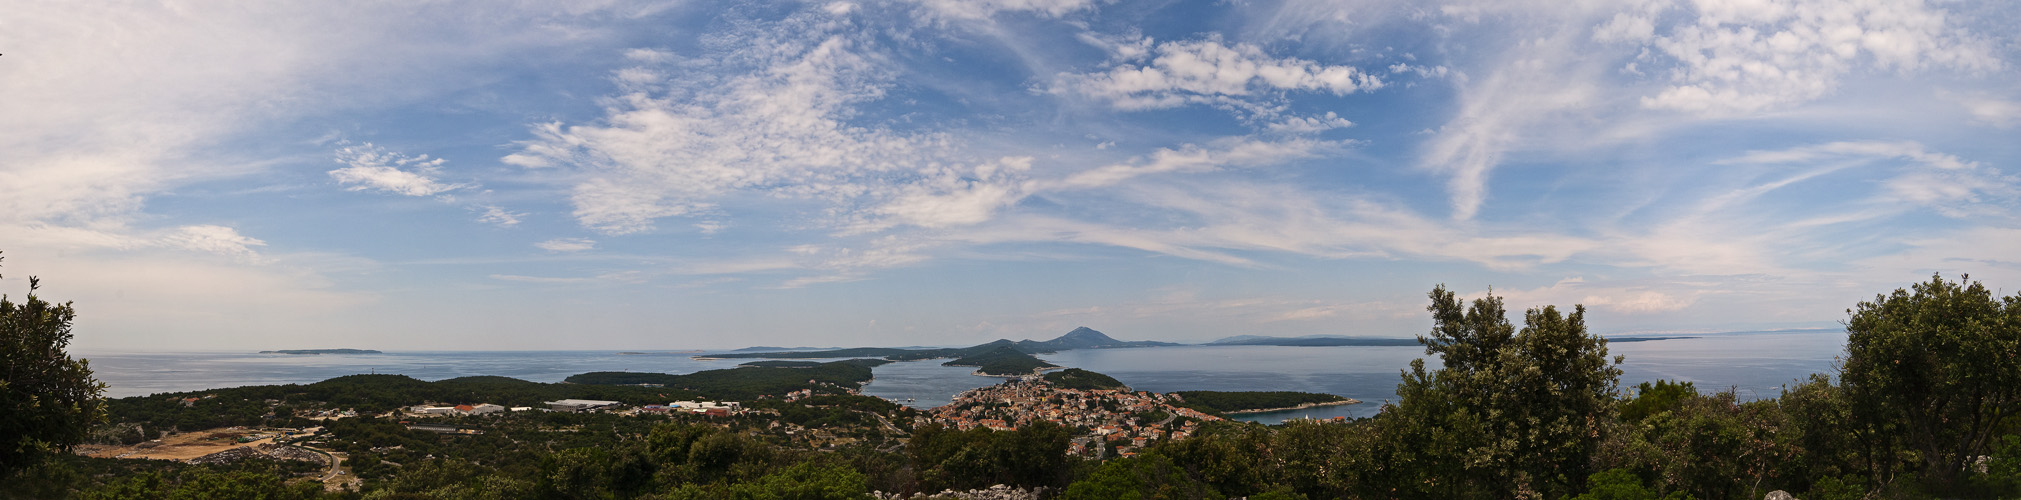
580	405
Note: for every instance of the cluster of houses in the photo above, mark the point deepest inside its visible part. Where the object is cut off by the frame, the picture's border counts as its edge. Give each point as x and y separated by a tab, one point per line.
1097	416
710	408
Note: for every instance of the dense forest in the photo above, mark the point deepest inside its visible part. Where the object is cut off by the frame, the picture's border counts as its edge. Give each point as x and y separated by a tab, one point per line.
1922	405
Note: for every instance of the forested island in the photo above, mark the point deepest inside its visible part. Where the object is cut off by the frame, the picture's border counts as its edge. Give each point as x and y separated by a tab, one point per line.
1078	379
1002	361
1223	402
1921	406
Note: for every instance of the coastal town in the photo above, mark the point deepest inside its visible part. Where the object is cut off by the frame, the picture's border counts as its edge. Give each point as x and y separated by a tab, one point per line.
1103	420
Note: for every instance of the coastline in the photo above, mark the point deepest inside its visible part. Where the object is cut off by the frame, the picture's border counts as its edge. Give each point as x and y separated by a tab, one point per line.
1302	406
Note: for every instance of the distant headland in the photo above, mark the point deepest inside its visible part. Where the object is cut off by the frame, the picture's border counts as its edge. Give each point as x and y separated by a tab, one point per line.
322	351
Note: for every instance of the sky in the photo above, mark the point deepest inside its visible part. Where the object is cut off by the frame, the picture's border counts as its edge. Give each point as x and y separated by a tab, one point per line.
446	175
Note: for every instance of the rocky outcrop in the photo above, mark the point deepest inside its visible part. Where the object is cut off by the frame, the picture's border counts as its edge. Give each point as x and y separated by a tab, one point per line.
264	451
1779	495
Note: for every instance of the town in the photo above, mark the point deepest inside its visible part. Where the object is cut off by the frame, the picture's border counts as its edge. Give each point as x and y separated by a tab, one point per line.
1103	420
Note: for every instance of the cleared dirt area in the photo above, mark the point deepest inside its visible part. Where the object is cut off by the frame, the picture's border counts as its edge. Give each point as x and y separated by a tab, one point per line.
182	446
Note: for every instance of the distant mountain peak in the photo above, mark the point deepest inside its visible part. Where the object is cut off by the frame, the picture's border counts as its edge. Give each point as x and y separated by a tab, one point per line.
1085	334
1081	338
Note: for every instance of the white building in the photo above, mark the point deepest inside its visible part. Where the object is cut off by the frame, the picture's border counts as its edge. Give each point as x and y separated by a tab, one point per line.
486	408
579	405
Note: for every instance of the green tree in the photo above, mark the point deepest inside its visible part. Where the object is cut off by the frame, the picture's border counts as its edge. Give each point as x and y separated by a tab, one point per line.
1932	374
1651	399
48	402
1150	476
1511	413
1618	484
804	481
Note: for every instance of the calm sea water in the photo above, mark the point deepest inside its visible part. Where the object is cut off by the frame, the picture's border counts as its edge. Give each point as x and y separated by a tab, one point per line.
1754	365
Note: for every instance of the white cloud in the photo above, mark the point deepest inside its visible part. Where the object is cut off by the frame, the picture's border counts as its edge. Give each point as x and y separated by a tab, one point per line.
1951	185
1743	57
1987	109
950	197
1625	27
499	216
219	240
170	290
1506	109
837	263
1659	296
367	166
984	9
566	244
1227	152
777	125
1309	124
1204	71
1226	222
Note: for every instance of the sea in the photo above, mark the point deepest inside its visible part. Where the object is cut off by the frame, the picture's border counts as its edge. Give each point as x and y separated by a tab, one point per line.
1753	365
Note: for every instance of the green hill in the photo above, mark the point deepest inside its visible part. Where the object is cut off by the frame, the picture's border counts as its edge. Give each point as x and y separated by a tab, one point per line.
1078	379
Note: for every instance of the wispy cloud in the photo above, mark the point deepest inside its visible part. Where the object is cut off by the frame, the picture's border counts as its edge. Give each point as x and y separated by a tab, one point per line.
367	166
671	147
983	9
215	239
566	245
498	216
1207	71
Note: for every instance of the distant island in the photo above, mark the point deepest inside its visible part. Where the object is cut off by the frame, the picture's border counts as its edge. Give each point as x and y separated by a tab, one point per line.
1230	403
322	351
1003	361
1001	357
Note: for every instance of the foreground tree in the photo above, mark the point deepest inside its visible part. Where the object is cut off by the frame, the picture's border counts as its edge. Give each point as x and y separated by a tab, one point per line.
1933	377
1511	413
48	402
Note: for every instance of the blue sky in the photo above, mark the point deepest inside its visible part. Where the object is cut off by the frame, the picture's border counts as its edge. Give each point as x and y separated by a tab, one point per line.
619	175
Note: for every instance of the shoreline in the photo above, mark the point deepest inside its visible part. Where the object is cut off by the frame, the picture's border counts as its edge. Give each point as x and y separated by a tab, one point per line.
1301	406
